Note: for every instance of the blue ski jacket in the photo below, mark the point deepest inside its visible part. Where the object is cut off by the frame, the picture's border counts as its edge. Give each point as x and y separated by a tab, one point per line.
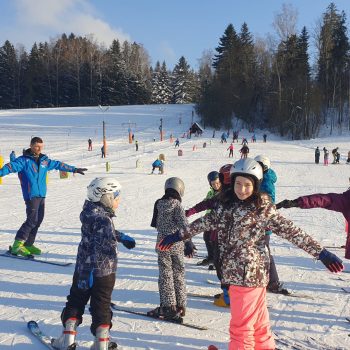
32	173
97	251
268	184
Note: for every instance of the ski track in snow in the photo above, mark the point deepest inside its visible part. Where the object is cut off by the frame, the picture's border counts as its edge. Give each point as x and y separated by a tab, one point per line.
29	290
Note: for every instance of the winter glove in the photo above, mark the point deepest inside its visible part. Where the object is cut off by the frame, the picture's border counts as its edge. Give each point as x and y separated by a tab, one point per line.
127	241
287	204
85	280
190	212
331	261
80	171
167	242
189	249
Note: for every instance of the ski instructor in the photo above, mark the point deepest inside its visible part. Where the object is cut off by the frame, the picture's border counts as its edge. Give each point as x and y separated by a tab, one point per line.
32	168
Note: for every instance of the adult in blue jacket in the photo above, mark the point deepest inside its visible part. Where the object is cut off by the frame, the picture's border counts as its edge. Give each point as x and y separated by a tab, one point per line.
32	168
12	156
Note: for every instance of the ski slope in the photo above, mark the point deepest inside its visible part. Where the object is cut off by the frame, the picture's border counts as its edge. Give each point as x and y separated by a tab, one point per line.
30	290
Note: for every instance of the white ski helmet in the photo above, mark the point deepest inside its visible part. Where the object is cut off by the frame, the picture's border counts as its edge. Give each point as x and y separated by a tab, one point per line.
103	185
247	166
265	161
176	184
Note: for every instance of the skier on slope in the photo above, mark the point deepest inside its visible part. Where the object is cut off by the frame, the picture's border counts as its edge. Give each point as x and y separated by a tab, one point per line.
268	186
95	268
339	202
32	168
243	253
168	217
221	299
215	187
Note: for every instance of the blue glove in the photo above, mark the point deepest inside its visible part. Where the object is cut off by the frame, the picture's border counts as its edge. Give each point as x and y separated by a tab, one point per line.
189	249
127	241
167	242
331	261
85	280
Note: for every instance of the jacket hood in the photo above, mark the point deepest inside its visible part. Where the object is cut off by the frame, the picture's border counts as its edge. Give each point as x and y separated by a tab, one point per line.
93	209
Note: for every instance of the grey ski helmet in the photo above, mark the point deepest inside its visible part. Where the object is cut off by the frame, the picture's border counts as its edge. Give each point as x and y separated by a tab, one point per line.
176	184
247	166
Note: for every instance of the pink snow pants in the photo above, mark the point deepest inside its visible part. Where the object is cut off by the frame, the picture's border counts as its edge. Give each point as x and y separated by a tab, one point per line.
250	323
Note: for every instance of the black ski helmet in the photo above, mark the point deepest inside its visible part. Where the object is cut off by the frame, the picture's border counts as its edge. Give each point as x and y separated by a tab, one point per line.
212	176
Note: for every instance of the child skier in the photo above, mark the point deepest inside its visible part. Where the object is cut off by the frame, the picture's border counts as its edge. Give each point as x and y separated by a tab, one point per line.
325	156
215	187
243	253
231	148
268	186
94	275
168	217
158	163
221	299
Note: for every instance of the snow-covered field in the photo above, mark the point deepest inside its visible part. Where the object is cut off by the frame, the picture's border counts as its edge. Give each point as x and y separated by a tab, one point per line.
30	290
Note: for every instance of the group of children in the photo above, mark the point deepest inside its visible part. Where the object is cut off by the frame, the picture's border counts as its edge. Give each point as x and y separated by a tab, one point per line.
238	224
335	153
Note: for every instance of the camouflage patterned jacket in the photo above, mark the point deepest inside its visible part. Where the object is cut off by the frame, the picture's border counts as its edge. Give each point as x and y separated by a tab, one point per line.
97	251
241	236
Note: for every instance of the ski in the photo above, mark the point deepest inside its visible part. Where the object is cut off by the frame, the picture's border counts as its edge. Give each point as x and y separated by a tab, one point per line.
346	290
334	247
141	313
199	295
347	318
213	282
32	258
288	293
45	339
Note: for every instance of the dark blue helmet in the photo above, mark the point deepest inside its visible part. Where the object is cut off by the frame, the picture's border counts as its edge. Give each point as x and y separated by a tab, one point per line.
212	176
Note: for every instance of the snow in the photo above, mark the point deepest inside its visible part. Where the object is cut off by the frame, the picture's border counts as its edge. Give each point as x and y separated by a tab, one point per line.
30	290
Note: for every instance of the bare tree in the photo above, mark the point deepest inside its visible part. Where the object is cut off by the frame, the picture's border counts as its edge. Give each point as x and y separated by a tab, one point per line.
285	23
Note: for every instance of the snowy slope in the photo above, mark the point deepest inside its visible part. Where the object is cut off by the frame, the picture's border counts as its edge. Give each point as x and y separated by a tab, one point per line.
30	290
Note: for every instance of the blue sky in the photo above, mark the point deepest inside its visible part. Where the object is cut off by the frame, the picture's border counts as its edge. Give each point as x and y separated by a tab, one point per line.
167	29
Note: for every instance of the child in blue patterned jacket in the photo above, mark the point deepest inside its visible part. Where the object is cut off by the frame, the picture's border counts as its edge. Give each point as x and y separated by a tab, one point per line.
94	275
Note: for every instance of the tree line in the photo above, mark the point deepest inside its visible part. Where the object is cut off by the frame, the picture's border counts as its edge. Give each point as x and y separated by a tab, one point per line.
77	71
273	84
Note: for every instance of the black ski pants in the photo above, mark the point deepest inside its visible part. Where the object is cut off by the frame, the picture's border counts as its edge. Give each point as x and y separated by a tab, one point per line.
100	302
35	209
209	245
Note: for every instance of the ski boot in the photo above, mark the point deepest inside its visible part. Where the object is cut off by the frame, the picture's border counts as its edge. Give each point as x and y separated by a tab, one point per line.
181	310
277	288
223	300
67	340
18	248
33	249
206	261
171	313
101	341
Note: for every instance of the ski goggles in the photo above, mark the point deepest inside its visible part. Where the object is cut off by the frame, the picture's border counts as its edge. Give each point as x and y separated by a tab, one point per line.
116	194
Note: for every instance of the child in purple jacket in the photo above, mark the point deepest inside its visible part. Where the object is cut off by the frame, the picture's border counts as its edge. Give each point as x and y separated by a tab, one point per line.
339	202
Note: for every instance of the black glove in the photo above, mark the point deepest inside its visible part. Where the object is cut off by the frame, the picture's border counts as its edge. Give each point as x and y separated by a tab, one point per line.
331	261
189	249
287	204
80	171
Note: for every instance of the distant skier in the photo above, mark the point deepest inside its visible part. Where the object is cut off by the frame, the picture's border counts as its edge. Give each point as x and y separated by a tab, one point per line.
136	146
317	155
244	141
32	168
325	156
103	152
168	217
334	154
244	151
244	256
158	164
12	156
348	160
94	275
253	138
177	143
231	148
265	137
89	145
